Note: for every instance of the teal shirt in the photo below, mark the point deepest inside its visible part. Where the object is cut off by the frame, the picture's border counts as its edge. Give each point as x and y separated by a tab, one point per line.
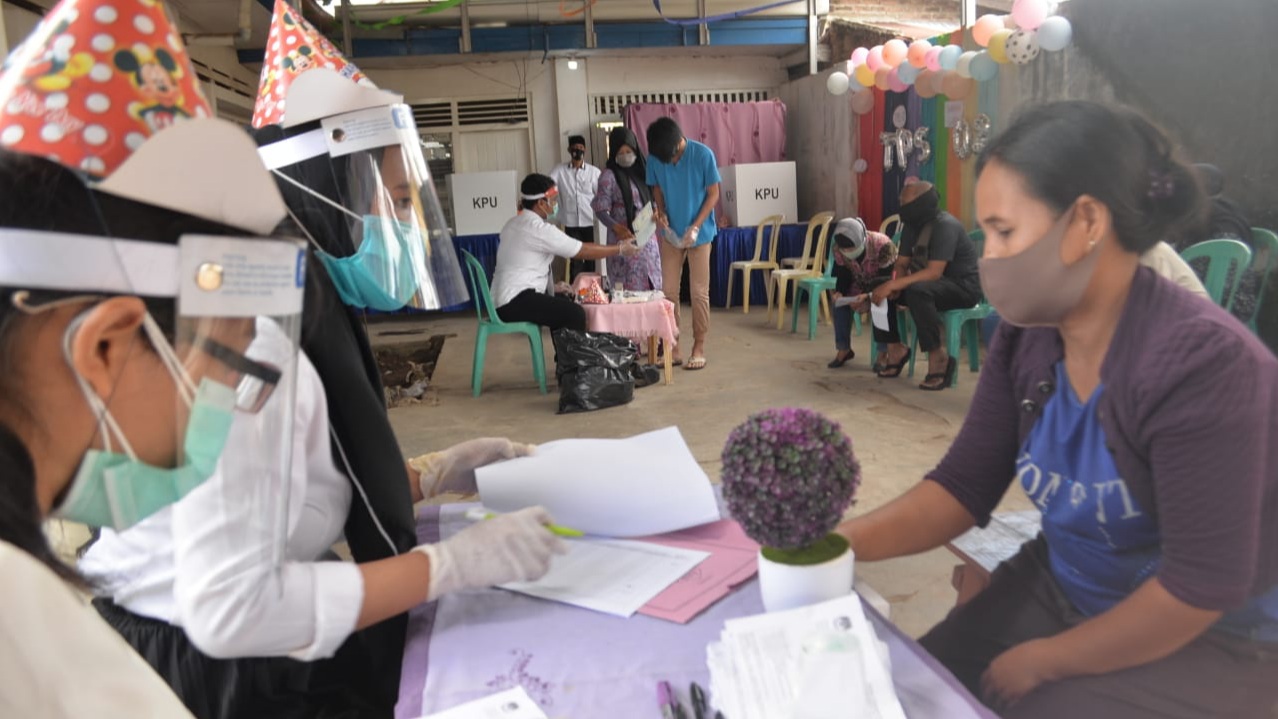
684	185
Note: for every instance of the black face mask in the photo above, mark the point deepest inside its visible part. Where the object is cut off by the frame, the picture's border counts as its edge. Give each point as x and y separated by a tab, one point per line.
577	154
922	210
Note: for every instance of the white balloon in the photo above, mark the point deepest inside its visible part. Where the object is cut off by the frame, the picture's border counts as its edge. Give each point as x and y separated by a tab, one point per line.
965	64
1022	47
837	83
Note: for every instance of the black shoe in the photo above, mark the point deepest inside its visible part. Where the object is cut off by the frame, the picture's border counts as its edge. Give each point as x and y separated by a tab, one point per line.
841	359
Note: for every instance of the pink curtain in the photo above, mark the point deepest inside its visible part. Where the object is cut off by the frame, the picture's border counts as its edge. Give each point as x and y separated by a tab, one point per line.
738	132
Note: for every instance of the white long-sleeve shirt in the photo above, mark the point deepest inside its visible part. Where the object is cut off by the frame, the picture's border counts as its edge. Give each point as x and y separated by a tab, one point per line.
218	574
576	192
59	660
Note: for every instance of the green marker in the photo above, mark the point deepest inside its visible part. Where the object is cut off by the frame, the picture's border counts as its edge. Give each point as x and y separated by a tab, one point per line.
480	514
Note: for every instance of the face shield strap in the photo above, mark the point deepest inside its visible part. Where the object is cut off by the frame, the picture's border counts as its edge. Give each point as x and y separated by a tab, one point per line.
293	150
314	194
106	423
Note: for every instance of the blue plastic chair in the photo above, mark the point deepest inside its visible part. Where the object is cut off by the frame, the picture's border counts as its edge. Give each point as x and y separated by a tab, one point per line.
812	286
1267	242
1222	257
492	324
959	325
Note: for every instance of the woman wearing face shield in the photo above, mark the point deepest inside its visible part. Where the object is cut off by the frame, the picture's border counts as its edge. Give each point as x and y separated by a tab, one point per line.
1139	419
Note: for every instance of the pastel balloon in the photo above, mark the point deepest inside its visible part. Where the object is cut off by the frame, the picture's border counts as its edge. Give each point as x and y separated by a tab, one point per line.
998	46
859	55
837	83
895	83
875	59
963	68
938	81
923	84
908	73
1029	14
1009	22
864	75
881	78
983	67
917	54
933	59
1055	33
950	55
957	88
985	27
862	102
1022	46
895	52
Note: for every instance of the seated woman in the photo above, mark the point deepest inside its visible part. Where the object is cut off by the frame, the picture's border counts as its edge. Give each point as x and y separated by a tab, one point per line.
622	193
523	288
862	260
1137	417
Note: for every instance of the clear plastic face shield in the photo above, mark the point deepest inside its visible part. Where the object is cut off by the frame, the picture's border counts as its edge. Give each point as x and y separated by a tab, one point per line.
202	403
403	251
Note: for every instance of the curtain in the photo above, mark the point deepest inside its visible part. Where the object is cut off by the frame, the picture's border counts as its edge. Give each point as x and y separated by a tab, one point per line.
737	132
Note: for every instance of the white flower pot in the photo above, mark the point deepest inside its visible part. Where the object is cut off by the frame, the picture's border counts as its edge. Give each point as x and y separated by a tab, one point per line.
786	586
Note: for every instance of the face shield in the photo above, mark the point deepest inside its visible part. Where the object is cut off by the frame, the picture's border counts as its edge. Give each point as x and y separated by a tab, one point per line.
403	253
206	386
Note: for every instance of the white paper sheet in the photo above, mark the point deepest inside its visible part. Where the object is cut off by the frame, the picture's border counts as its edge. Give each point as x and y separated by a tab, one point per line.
846	300
879	315
510	704
645	225
610	575
647	484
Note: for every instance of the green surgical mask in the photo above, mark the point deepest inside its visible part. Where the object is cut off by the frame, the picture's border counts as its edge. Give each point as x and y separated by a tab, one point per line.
118	490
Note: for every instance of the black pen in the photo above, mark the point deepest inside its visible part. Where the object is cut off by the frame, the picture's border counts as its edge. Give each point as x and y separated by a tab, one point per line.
699	704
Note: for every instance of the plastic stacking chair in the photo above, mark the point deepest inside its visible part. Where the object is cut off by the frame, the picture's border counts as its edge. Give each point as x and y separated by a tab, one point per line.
889	222
757	263
959	325
816	287
780	279
806	259
492	324
1222	256
1265	241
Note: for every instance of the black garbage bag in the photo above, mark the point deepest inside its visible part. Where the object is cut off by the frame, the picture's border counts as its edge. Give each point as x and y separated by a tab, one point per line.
645	375
593	370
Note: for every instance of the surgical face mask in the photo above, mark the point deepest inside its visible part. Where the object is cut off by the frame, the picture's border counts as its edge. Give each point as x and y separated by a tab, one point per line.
852	253
554	213
922	210
118	490
626	159
1035	288
382	274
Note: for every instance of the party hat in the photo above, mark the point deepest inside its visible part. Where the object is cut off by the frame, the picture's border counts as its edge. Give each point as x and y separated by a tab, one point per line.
94	81
293	47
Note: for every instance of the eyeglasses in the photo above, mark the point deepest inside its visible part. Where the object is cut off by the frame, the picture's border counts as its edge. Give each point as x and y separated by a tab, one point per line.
257	379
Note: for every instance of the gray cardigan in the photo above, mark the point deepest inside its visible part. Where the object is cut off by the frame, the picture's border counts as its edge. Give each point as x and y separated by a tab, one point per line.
1190	413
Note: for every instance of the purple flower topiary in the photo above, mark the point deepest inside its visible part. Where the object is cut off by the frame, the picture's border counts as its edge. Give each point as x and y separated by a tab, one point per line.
788	475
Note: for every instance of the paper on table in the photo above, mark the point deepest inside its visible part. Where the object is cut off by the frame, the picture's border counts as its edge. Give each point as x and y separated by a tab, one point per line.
647	484
510	704
611	576
733	560
879	315
645	225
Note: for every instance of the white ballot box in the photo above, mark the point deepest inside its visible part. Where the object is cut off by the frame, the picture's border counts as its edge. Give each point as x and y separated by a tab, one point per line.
483	201
755	191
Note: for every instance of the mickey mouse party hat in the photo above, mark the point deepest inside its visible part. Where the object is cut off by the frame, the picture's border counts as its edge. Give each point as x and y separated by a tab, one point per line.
293	47
94	81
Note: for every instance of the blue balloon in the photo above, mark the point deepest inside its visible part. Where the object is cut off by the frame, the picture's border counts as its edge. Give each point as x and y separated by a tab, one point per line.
950	56
908	73
983	67
1054	34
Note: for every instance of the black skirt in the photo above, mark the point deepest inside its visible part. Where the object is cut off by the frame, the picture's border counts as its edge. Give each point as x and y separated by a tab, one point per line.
248	688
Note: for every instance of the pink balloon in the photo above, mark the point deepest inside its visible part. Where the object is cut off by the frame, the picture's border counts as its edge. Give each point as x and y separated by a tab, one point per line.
918	53
859	55
881	78
957	87
874	60
895	84
895	52
1029	14
933	59
923	85
862	102
985	28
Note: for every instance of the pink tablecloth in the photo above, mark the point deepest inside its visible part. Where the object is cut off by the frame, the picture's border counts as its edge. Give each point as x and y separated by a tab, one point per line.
637	321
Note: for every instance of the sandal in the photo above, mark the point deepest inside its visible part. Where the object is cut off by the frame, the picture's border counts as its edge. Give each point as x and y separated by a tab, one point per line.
841	358
947	377
695	363
891	370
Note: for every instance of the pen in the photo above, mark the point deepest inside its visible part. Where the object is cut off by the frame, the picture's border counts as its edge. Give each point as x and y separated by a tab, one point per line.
699	704
554	528
665	700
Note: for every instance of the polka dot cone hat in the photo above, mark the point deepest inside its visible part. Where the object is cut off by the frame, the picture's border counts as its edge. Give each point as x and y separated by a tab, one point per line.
94	81
293	47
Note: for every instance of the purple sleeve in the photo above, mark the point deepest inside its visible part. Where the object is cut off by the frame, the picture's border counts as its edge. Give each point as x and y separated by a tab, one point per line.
981	462
606	196
1209	439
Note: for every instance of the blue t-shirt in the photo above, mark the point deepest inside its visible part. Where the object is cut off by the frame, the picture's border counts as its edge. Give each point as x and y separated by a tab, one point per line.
684	186
1102	545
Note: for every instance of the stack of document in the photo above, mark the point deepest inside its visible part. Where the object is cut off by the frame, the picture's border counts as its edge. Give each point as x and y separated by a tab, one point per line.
510	704
817	662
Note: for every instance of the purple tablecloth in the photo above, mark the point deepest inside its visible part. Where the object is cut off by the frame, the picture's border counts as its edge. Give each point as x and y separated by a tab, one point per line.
577	663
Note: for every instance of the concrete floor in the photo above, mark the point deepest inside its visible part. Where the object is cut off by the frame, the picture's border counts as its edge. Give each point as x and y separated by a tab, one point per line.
898	431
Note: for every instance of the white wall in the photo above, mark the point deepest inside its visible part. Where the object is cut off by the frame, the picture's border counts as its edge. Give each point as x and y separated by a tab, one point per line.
609	75
821	139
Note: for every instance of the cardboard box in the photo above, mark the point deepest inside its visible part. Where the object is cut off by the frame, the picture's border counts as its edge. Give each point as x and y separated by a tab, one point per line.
755	191
483	202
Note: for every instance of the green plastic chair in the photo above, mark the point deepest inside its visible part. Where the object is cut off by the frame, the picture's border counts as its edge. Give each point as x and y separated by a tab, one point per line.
960	326
1222	256
1267	242
813	285
492	324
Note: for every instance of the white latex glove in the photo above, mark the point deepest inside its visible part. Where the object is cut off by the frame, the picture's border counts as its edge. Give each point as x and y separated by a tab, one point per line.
453	469
515	547
690	236
629	248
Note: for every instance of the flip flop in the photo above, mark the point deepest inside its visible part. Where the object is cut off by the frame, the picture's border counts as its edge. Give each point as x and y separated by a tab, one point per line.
892	370
948	375
695	363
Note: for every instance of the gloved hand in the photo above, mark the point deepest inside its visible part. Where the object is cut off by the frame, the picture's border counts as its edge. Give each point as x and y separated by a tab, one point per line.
515	547
453	469
690	236
629	248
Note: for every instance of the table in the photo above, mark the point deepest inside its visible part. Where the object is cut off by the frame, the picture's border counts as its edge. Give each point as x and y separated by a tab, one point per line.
580	664
735	244
638	321
984	549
